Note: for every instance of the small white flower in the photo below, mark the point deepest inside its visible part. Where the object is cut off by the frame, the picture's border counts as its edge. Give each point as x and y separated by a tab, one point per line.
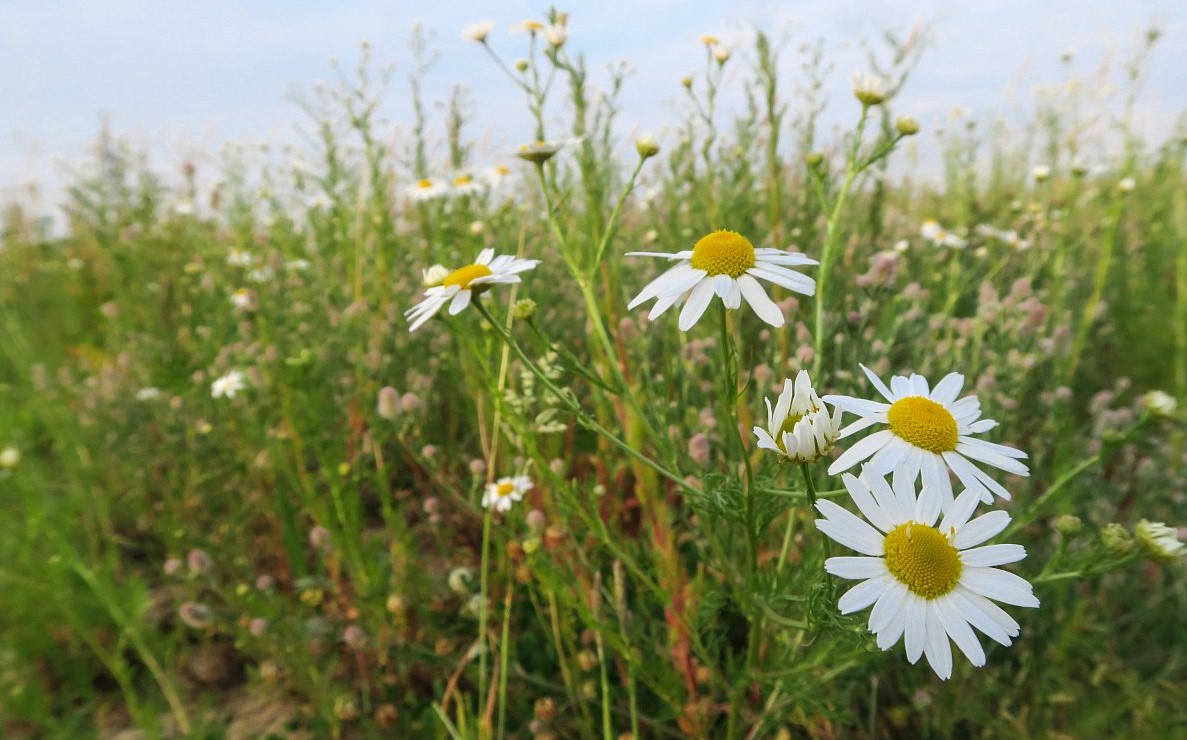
1159	541
556	35
426	189
1160	403
1040	172
1126	185
939	236
929	433
465	184
799	427
297	265
148	394
506	491
726	264
497	175
869	88
927	584
243	299
542	151
261	274
10	457
239	258
228	385
478	31
459	287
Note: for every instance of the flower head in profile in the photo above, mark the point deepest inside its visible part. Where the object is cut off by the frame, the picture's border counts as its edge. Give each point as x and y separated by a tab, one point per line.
228	385
542	151
460	286
941	237
465	184
426	189
929	431
868	88
1159	541
799	427
726	264
927	584
478	32
504	492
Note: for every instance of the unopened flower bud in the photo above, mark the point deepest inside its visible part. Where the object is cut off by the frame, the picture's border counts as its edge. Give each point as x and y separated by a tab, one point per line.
646	146
1116	540
1160	403
1068	524
907	126
524	309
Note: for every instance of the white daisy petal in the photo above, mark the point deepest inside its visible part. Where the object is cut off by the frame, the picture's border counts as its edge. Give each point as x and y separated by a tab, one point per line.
859	491
780	257
991	619
980	529
958	514
661	305
459	302
847	529
856	568
959	630
694	307
763	306
864	594
919	386
901	386
889	604
977	427
999	585
890	456
916	632
878	384
937	647
991	555
947	389
860	451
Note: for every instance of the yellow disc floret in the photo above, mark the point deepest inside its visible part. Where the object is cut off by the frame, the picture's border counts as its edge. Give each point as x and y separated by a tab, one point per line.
424	184
462	277
924	423
723	253
505	489
923	559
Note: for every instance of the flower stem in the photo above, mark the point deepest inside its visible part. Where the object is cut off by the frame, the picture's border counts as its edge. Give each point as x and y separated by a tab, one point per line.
482	610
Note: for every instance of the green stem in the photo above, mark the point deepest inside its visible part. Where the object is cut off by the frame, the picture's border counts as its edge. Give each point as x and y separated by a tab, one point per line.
831	237
574	407
482	610
504	660
810	488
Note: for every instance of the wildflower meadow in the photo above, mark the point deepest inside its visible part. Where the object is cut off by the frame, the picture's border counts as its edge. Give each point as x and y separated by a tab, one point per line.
738	429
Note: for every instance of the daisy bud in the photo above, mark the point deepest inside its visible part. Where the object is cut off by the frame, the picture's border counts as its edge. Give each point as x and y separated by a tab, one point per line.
721	54
646	146
907	126
1116	540
521	65
686	81
1041	172
524	309
1160	542
1068	525
556	35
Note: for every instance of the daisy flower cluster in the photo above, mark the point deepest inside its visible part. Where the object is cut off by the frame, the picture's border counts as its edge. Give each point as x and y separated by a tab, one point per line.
928	583
460	185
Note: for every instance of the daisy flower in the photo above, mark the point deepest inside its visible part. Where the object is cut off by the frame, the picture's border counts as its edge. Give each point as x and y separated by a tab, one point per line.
459	286
799	428
1159	541
929	432
869	88
542	151
478	31
505	492
927	584
724	263
228	385
465	184
426	189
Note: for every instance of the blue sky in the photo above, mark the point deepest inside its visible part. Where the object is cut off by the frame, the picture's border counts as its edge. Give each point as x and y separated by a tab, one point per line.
183	76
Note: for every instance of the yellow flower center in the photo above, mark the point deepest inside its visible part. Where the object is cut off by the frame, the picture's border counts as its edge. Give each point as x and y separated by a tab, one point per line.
924	423
505	489
923	559
463	180
723	253
462	277
424	184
